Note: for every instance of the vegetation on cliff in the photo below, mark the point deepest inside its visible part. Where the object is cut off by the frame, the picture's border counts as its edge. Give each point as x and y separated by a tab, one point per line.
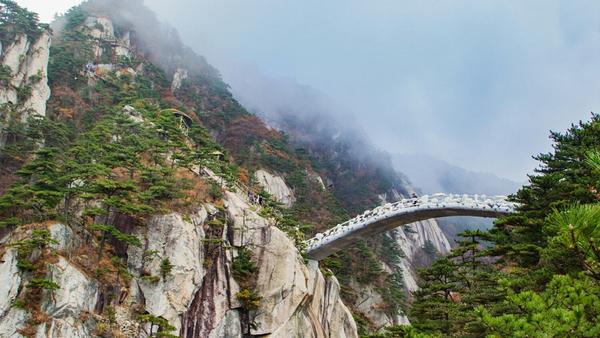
118	145
16	20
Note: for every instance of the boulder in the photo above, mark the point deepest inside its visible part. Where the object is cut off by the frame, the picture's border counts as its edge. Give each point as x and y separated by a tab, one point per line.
276	187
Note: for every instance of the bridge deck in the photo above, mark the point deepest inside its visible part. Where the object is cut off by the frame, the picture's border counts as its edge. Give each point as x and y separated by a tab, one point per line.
406	211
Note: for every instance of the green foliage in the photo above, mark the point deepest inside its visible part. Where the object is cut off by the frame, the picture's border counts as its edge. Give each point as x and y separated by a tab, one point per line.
362	325
165	267
369	267
24	93
430	249
393	292
548	252
577	229
243	266
568	307
17	20
68	58
151	279
9	222
390	252
37	77
249	299
19	304
38	240
244	271
398	331
218	223
117	234
453	286
163	328
39	191
5	75
434	310
108	164
40	283
593	160
75	17
563	178
215	191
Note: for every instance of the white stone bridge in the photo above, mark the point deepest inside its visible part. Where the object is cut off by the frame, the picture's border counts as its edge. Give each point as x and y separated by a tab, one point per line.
392	215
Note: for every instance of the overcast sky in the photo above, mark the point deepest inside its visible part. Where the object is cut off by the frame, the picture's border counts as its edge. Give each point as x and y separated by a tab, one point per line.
476	83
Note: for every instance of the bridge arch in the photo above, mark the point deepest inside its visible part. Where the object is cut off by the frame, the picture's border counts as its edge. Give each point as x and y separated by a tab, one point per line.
406	211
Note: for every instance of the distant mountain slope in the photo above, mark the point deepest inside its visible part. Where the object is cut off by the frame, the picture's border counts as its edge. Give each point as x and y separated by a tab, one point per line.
431	175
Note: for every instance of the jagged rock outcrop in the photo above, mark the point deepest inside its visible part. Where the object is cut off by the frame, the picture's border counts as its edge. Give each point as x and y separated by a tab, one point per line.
178	241
276	187
412	239
11	322
102	30
297	301
77	292
10	279
178	77
368	302
24	64
64	309
77	295
196	297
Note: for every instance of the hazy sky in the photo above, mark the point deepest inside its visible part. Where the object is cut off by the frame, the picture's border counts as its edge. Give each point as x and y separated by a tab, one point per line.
47	8
476	83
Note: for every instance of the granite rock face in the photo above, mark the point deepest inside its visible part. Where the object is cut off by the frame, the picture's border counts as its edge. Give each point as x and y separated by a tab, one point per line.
26	92
198	295
276	187
169	238
10	279
297	300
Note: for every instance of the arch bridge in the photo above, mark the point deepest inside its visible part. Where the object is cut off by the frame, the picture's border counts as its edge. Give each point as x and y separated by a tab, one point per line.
405	211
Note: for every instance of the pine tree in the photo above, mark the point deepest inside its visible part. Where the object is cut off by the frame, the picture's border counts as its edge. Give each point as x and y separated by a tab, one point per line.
568	307
434	309
564	177
454	286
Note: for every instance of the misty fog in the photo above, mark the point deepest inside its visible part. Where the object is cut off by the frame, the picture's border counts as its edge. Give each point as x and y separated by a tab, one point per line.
476	84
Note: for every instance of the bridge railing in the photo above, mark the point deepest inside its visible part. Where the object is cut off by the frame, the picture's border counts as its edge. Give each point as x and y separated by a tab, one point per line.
483	202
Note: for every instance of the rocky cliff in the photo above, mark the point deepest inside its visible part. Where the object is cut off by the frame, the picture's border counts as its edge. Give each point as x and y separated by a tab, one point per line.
23	77
355	172
198	295
413	239
178	278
